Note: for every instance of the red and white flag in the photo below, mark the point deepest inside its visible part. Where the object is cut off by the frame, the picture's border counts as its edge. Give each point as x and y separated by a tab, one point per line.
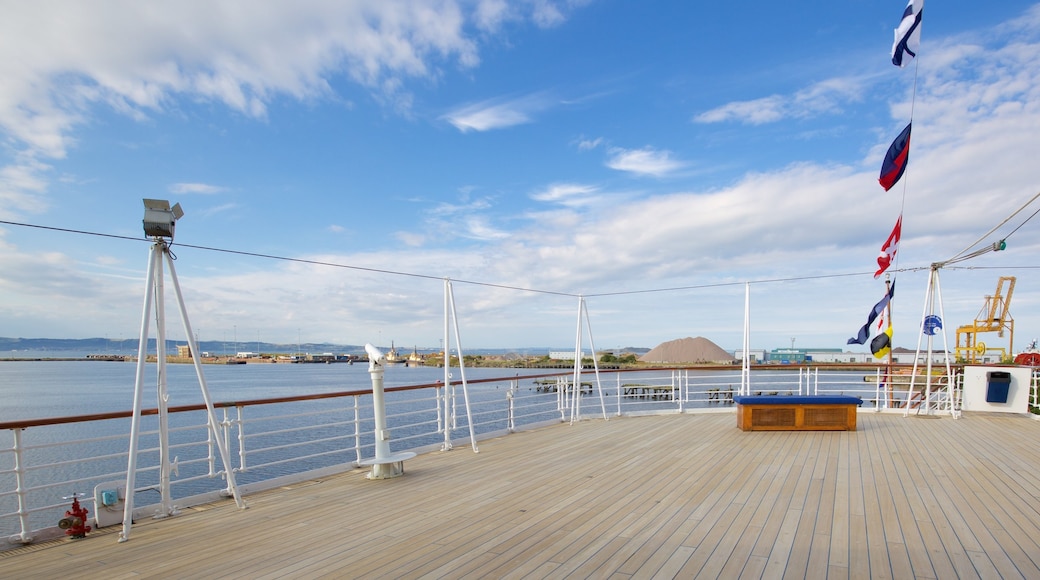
888	250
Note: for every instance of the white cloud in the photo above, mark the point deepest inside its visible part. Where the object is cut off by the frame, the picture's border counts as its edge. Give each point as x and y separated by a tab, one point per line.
479	227
410	239
470	218
826	97
139	56
203	188
497	113
22	187
219	209
645	161
491	14
589	144
561	192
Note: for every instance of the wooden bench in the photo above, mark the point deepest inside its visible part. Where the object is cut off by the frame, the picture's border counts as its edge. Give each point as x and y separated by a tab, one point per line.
797	412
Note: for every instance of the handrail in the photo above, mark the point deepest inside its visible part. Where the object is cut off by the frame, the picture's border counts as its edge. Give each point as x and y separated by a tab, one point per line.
419	420
26	423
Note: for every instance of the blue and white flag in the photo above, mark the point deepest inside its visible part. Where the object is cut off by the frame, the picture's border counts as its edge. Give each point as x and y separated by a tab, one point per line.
908	35
864	332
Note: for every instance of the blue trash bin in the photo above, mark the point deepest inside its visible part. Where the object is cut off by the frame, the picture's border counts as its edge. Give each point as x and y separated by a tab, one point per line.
998	384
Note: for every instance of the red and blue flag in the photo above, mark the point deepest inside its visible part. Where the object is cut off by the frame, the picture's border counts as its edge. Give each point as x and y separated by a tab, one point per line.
895	159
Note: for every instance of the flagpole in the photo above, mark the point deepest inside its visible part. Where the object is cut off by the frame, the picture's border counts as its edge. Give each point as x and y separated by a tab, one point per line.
892	344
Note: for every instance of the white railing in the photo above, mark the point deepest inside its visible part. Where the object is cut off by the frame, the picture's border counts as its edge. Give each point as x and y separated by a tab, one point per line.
296	438
1034	396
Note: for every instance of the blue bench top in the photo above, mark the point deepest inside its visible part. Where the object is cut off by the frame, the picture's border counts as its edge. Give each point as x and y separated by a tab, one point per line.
798	400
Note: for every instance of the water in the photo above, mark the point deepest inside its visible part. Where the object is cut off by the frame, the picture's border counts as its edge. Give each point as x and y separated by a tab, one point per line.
33	389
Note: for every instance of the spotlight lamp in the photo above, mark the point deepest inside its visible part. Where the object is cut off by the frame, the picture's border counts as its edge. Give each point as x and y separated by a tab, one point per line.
160	218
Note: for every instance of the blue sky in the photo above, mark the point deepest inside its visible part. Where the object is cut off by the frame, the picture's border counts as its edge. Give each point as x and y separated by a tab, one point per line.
651	156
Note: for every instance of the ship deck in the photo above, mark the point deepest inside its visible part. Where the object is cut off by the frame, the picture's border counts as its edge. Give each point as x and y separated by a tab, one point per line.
634	497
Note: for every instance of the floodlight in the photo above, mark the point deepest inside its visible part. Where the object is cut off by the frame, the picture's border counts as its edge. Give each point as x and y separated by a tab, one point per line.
159	218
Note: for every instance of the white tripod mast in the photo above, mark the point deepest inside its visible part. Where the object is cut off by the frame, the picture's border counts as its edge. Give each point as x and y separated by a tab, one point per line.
159	220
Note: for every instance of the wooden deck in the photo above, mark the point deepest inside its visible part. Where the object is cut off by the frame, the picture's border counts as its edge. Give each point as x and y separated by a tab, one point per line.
636	497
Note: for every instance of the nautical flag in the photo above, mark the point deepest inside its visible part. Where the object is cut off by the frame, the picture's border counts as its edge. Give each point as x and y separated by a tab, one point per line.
895	159
864	332
908	35
889	248
882	343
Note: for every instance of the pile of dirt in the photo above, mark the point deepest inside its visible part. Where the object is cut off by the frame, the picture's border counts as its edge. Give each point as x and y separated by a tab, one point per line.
687	350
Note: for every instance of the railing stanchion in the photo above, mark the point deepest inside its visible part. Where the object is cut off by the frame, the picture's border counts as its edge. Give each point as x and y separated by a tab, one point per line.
19	475
241	438
357	429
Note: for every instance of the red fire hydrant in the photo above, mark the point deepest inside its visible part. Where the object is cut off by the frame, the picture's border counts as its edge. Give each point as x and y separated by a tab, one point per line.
75	521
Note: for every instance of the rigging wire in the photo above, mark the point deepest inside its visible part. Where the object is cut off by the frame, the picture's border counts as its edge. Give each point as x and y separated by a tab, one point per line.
286	259
995	247
906	176
550	292
471	282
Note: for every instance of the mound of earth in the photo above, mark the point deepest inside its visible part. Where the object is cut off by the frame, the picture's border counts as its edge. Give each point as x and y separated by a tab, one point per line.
687	350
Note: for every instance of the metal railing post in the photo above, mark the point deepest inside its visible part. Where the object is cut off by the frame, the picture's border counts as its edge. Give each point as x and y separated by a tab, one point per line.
357	428
241	439
510	423
620	394
19	475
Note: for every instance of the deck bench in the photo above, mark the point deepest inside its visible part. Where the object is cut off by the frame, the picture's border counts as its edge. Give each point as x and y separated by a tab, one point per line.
797	412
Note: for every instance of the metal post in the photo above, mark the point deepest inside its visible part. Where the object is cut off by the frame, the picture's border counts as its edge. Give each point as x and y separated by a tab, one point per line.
576	375
595	363
745	368
214	426
462	369
165	501
135	420
357	429
446	352
19	477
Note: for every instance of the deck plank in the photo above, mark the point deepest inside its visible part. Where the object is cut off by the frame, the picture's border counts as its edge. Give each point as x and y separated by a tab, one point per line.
680	495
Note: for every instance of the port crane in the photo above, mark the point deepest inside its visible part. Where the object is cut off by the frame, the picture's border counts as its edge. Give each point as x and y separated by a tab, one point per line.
994	317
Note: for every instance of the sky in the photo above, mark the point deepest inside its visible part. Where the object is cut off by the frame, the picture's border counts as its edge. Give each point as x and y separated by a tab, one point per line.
337	161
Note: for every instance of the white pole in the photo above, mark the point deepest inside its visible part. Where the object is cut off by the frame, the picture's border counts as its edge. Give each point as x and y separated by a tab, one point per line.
595	363
448	422
162	396
462	370
135	420
928	294
745	369
214	425
576	376
950	385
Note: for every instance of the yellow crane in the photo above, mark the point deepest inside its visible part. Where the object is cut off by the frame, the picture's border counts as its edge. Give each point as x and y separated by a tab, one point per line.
994	317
